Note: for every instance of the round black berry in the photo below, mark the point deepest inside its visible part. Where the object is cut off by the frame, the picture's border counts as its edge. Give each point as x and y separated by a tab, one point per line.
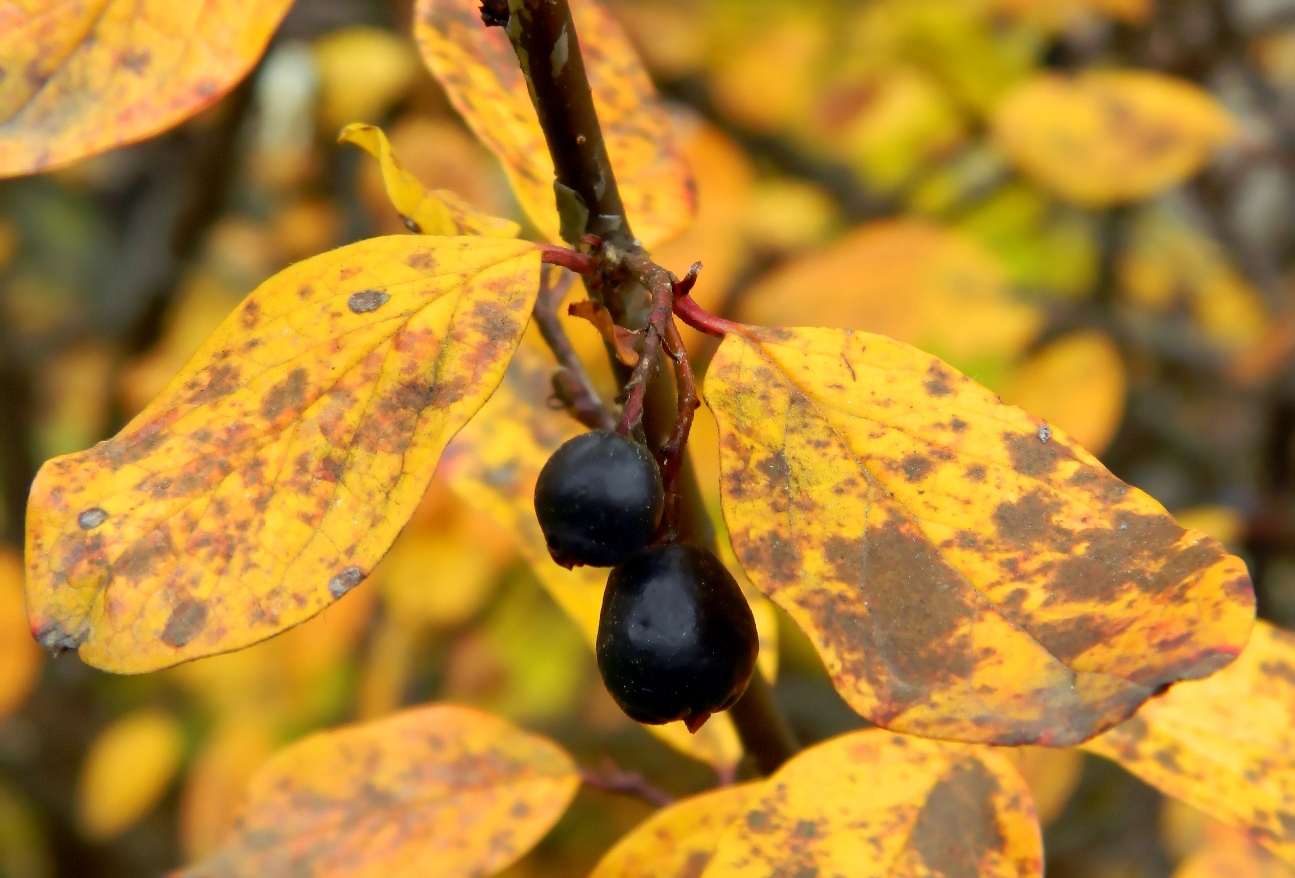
598	499
676	638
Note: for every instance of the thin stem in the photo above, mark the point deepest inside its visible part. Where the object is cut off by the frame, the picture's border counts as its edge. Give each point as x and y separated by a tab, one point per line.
569	259
673	450
761	726
545	38
687	310
614	779
570	381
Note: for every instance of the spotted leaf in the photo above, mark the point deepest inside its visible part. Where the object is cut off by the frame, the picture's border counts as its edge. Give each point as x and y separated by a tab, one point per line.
78	79
484	81
1110	137
272	473
1225	745
965	570
438	212
878	804
679	840
440	790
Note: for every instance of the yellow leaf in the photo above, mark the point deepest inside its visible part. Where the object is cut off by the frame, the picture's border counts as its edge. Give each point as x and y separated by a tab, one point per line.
480	73
1059	12
20	657
493	465
1228	854
428	213
763	96
678	840
213	786
442	573
440	790
1224	523
84	78
1052	775
911	280
1110	137
277	467
1167	264
1225	745
964	572
1076	383
362	72
127	769
877	804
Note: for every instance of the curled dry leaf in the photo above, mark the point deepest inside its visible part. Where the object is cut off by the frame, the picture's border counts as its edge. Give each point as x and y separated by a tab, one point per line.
493	465
440	790
1225	745
274	471
424	212
621	339
878	804
965	571
479	71
84	78
678	840
1110	137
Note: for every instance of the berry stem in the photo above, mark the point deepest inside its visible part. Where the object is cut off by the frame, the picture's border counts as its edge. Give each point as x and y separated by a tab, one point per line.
567	258
673	451
571	383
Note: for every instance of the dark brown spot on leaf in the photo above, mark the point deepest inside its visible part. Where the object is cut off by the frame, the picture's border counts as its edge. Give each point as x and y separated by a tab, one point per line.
187	619
366	301
958	826
345	581
286	396
91	518
916	467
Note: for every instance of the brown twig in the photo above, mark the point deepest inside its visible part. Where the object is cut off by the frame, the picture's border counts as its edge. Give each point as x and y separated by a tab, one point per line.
615	779
589	203
672	453
570	382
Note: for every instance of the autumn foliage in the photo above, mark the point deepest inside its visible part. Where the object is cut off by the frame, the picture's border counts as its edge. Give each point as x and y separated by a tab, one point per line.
940	240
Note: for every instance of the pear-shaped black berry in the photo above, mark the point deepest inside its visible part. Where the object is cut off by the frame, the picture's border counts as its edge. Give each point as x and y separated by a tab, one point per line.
676	638
598	499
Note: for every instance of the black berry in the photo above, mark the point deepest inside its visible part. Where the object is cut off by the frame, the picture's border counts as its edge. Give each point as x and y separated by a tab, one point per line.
598	500
676	638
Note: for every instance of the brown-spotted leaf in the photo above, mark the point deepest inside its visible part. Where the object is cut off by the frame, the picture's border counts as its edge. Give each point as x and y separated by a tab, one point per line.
878	804
77	79
1108	137
493	465
678	841
1225	745
481	75
965	571
440	790
439	212
274	471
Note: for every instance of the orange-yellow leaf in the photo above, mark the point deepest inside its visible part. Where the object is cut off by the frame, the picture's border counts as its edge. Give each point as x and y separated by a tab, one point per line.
127	769
965	571
481	75
20	657
1110	137
493	465
82	78
214	784
877	804
440	790
912	280
277	467
1226	744
438	212
1076	383
1051	773
1229	854
679	840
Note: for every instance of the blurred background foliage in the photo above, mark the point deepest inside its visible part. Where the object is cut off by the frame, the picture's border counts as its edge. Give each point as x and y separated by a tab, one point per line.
1084	204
